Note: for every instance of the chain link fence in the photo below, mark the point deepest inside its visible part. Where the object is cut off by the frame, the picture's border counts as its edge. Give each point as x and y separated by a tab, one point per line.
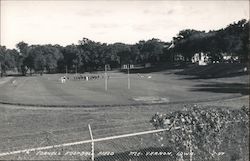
114	144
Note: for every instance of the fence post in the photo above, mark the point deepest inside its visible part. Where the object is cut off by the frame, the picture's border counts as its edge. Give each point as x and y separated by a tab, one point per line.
190	149
92	143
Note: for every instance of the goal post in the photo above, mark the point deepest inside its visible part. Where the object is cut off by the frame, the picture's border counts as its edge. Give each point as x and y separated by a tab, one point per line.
106	77
128	77
125	66
128	67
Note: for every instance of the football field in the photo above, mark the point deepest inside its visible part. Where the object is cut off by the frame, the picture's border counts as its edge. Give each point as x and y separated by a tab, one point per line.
39	111
144	88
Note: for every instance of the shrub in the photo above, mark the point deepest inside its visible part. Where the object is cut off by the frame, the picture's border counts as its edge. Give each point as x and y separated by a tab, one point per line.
205	134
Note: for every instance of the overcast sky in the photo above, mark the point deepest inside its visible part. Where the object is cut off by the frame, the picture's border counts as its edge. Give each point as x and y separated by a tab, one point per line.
66	22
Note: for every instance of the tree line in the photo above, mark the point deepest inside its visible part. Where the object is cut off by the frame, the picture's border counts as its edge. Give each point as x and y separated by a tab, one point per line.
89	55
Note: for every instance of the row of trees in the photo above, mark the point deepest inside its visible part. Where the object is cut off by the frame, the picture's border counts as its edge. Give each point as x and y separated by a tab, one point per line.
85	56
89	55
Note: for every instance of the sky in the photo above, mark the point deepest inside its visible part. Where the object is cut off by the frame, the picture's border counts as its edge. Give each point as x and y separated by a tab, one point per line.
128	21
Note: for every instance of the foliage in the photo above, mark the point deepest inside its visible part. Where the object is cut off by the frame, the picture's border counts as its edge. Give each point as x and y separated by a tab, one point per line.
8	59
89	55
205	132
233	40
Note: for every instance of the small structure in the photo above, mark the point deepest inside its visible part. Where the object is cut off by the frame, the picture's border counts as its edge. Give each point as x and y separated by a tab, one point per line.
127	66
200	58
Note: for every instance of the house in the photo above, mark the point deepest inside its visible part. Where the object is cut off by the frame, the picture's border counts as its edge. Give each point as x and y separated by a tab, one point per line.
230	58
200	58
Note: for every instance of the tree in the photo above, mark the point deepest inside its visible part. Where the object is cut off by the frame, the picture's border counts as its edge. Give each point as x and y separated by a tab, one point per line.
8	59
2	55
23	54
89	55
23	47
150	51
186	43
52	56
39	63
236	36
110	56
11	58
123	51
135	54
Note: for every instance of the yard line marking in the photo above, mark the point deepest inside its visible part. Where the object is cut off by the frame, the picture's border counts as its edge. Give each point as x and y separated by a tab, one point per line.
118	77
5	80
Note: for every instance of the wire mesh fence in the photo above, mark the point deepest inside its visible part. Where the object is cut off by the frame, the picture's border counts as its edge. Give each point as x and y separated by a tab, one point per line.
122	144
146	145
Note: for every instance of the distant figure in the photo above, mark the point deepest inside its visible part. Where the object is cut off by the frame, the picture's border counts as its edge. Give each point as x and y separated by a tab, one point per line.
63	79
14	83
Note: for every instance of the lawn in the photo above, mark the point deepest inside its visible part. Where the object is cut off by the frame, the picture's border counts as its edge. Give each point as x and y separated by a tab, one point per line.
27	127
161	87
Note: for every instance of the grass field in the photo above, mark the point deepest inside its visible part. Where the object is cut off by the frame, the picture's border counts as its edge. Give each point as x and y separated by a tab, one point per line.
145	88
26	127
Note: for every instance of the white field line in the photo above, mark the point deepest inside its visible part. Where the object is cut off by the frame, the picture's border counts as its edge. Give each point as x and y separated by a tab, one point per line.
117	77
5	80
96	140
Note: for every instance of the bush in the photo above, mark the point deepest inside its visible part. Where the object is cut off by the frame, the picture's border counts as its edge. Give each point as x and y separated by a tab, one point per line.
205	134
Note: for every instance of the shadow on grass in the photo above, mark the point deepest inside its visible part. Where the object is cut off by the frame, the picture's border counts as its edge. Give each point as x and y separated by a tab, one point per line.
15	75
156	68
215	76
211	71
21	75
241	88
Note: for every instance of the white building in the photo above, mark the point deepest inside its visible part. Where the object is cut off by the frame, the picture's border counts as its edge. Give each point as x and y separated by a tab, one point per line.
230	58
200	58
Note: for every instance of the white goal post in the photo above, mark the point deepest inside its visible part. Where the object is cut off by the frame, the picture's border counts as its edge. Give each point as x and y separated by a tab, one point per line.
125	66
